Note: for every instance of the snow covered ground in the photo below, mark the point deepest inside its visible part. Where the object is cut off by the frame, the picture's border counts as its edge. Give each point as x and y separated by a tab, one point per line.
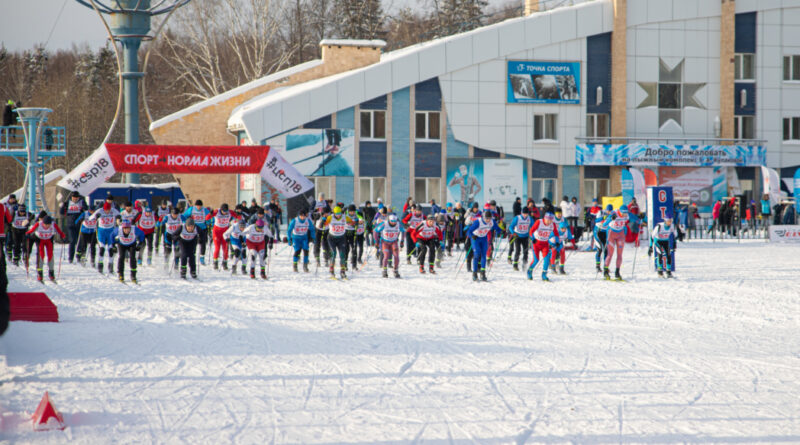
712	357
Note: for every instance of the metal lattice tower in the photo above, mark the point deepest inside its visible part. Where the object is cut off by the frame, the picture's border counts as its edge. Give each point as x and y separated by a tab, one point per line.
129	24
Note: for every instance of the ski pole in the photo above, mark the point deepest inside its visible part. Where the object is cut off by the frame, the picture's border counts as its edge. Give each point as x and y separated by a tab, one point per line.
501	253
60	257
635	251
27	256
465	260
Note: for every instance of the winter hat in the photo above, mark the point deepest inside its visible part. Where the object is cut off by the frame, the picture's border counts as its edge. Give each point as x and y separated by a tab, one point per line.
526	210
259	223
224	207
487	213
48	220
126	224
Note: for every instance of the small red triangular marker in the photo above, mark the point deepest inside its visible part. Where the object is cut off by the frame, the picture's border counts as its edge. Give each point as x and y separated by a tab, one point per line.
46	417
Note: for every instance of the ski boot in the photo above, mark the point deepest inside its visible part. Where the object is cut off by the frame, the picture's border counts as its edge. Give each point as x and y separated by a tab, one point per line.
183	273
661	274
233	270
111	268
224	264
149	260
294	267
510	261
253	273
133	278
597	267
530	272
100	267
474	276
469	266
544	276
216	264
385	273
483	275
194	274
606	274
617	276
244	269
421	269
93	263
121	278
342	273
305	268
561	270
139	261
431	270
333	273
317	261
264	273
516	267
40	276
669	274
408	260
396	273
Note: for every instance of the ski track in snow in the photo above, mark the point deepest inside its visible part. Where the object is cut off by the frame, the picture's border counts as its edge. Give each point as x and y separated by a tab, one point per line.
713	356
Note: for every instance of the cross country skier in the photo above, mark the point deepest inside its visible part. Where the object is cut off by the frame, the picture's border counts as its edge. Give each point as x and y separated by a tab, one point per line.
107	218
617	224
128	238
600	235
412	219
361	230
87	236
427	238
380	218
350	236
187	241
471	216
162	211
337	229
663	241
300	229
221	220
199	214
256	240
44	232
541	234
19	225
172	226
442	222
520	226
147	224
479	232
321	238
390	232
560	253
238	245
130	213
71	209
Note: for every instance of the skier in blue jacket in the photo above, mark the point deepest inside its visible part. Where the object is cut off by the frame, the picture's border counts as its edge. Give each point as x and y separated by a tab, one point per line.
300	229
478	231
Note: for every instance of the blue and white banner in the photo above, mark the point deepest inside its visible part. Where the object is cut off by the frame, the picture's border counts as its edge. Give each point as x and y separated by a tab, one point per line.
671	155
796	189
544	82
659	205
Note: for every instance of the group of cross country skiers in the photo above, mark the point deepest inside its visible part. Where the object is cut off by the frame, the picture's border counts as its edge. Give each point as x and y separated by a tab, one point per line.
246	236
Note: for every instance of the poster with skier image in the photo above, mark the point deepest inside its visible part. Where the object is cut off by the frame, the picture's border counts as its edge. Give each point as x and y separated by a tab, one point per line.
315	152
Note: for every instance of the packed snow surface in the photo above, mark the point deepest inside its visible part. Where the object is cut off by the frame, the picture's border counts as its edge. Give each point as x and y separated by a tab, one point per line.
710	357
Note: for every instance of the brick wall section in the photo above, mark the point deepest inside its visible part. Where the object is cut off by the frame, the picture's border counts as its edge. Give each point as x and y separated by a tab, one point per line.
531	6
726	67
208	126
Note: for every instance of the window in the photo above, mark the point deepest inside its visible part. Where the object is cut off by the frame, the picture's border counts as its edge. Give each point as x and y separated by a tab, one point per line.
791	129
544	127
597	125
594	188
373	124
543	188
744	127
324	185
370	189
744	66
428	125
426	189
791	67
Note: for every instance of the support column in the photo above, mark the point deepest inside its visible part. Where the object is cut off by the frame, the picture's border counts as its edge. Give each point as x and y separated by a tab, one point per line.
531	6
412	139
387	197
619	68
130	80
726	67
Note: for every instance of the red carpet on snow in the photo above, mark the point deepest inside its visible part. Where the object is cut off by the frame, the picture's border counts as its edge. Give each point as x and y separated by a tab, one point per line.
32	306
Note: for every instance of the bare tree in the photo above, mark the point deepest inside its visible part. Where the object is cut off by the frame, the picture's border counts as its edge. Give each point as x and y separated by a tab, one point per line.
360	19
216	45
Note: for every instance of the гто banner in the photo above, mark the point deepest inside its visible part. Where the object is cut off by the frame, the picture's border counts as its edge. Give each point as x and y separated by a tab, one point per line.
111	158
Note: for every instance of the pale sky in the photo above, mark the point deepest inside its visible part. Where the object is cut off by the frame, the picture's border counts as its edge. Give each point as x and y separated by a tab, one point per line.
24	23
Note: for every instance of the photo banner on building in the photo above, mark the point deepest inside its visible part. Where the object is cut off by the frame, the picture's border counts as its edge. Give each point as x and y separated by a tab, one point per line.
796	189
483	180
534	82
318	152
692	184
109	159
671	155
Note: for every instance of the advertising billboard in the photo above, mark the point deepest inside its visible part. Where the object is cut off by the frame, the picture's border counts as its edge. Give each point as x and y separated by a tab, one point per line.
314	152
671	155
532	82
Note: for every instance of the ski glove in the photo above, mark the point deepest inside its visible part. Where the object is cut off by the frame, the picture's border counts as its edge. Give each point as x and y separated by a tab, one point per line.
418	245
474	237
650	251
441	245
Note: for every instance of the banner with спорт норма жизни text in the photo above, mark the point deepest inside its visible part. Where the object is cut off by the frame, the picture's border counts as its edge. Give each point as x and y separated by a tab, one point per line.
109	159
